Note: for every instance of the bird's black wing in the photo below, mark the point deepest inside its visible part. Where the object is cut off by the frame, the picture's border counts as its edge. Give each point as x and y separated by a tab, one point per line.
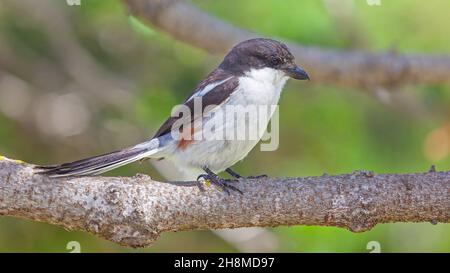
221	85
216	96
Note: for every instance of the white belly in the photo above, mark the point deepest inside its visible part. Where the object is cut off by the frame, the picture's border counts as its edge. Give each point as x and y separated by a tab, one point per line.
259	90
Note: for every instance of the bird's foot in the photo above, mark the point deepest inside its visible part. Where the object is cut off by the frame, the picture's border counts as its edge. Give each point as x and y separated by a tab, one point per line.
222	184
238	176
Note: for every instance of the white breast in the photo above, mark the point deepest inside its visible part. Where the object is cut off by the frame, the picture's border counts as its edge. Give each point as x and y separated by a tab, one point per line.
260	87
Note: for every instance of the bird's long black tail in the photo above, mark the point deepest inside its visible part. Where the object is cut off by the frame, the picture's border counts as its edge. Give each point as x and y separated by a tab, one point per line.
99	164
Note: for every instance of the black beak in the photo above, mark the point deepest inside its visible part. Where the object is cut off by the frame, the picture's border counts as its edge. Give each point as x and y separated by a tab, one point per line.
296	72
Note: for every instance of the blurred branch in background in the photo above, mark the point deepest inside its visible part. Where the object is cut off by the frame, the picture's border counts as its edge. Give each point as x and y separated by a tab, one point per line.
346	18
75	60
346	68
59	93
135	211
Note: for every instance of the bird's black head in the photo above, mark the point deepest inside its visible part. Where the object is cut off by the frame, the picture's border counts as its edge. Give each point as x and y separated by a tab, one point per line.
262	53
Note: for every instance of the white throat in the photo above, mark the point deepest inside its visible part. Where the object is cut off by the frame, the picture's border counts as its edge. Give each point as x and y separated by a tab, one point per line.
262	86
268	76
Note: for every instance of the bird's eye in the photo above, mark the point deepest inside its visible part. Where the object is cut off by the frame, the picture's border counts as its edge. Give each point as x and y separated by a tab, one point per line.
275	61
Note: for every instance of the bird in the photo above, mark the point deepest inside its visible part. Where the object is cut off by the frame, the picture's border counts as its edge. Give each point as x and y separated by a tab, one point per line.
252	73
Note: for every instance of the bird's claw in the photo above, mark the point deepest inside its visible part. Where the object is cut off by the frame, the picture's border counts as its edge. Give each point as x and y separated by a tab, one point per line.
222	184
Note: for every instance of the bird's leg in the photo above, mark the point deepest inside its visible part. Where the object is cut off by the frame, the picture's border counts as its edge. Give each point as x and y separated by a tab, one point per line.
233	173
223	184
238	176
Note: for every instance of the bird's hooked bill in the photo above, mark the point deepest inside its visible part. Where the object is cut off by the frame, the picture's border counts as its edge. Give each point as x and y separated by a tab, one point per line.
296	72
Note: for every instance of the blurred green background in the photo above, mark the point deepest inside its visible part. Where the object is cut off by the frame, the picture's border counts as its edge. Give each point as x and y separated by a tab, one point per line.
83	80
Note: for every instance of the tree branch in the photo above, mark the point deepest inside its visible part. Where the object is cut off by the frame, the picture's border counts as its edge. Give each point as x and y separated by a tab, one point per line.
344	68
135	211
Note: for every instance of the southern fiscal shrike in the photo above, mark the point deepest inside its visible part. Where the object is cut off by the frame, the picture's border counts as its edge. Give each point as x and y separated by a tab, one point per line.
254	72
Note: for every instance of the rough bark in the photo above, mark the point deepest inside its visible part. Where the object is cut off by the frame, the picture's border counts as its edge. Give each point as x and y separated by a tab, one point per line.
345	68
135	211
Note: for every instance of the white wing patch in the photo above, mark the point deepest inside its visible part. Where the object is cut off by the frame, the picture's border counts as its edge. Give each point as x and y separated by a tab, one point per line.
209	87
